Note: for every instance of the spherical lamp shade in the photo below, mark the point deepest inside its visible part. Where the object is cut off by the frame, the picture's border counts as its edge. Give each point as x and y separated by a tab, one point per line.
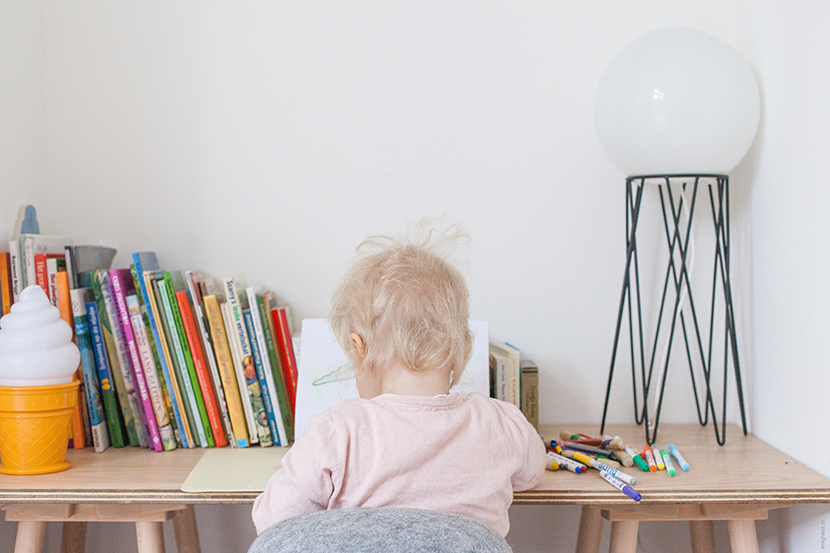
677	101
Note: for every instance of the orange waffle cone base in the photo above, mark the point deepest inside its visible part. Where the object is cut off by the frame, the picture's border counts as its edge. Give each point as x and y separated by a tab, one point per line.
34	427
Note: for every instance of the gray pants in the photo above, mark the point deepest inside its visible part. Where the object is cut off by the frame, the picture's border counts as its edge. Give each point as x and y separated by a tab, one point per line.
384	530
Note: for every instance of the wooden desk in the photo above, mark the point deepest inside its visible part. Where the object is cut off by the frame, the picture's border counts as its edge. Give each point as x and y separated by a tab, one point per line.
739	482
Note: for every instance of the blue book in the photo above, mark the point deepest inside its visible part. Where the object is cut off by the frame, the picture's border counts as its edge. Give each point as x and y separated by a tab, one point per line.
263	380
108	393
80	297
146	261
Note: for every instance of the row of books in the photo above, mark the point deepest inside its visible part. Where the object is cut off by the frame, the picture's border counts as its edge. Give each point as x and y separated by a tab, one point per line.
514	379
167	359
176	360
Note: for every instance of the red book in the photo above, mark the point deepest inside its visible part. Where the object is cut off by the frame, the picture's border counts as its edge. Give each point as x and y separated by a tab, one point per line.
199	364
286	350
41	273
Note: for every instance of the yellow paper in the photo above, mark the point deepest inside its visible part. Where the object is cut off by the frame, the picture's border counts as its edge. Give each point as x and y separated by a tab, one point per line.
234	470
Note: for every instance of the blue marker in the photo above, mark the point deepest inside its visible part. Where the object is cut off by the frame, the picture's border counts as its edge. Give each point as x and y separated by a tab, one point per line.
620	485
676	452
614	472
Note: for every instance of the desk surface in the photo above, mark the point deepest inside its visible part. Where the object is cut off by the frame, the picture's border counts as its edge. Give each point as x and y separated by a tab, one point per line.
745	470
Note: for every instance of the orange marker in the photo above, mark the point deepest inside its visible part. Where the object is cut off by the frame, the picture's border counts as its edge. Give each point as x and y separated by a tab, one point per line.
652	466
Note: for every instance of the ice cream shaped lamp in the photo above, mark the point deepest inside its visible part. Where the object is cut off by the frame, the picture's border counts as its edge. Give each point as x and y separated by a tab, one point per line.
37	392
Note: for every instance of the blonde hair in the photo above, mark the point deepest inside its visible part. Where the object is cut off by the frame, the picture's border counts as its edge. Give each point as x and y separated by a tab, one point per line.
408	304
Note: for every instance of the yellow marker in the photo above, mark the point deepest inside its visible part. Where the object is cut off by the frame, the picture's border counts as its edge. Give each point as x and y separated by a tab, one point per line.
551	464
582	458
659	458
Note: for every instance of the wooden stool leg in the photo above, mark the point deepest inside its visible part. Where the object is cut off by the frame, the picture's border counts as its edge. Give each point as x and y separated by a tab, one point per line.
703	536
150	536
624	536
73	539
590	530
742	536
187	536
30	536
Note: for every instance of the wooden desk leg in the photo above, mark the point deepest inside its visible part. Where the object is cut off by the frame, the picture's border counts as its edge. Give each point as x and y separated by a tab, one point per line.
150	536
187	536
742	536
703	536
590	530
73	539
30	536
624	536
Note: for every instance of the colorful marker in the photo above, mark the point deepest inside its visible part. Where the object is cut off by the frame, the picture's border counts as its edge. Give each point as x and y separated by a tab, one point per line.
587	448
555	445
658	458
551	464
620	485
652	466
566	463
667	460
624	458
676	452
637	459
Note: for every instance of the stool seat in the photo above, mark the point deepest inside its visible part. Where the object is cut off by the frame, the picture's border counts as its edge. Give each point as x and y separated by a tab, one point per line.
379	529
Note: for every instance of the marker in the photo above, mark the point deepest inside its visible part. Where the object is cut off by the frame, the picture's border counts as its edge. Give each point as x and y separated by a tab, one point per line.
658	458
637	459
587	448
667	459
556	446
652	466
568	464
615	442
551	464
620	485
676	452
624	458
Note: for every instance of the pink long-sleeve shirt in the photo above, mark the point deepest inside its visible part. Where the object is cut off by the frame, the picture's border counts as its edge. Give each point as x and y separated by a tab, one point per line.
460	453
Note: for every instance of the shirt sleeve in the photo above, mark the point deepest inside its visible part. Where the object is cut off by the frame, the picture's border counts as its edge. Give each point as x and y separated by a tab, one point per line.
530	450
307	478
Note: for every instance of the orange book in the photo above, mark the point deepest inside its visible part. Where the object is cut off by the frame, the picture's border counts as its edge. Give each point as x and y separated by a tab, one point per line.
65	306
6	281
200	365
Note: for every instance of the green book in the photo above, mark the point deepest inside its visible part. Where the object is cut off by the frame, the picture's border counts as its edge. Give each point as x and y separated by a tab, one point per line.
99	287
189	378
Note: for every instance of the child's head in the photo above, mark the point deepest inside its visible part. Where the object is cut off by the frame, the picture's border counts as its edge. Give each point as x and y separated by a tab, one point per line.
408	306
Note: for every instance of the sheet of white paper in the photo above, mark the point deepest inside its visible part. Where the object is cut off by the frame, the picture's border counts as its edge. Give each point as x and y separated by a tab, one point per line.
325	377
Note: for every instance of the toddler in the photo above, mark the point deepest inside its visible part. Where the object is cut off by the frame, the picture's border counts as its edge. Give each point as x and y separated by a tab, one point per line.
401	316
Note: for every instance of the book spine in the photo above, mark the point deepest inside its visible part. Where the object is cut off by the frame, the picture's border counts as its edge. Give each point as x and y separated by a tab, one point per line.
27	260
14	258
210	356
41	274
170	370
224	363
168	300
169	391
119	294
98	425
530	393
52	268
285	346
200	368
247	406
265	387
155	406
65	308
6	282
116	355
108	394
247	362
269	353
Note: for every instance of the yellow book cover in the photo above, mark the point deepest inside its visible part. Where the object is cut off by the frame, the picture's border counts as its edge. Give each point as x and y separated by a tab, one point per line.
224	363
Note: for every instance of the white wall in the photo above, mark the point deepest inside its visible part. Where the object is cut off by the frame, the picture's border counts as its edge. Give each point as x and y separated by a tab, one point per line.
788	46
270	138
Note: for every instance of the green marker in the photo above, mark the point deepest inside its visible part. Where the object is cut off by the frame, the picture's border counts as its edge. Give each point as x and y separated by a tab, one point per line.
637	459
667	462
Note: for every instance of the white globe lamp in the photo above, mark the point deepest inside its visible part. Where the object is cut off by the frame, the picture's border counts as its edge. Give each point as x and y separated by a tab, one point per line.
677	101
